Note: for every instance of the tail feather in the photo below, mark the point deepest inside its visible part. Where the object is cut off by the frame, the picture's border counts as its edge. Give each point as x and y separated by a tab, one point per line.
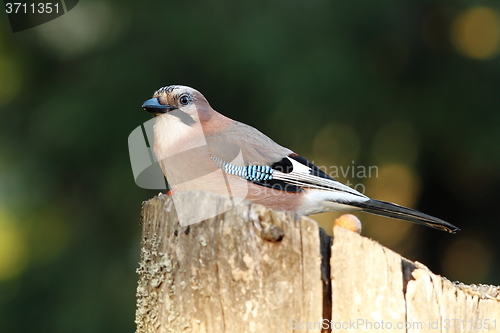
388	209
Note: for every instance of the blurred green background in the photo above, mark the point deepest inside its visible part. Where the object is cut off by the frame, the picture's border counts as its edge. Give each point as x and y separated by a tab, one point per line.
410	88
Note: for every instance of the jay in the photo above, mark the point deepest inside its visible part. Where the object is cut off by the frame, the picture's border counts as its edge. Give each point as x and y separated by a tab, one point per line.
195	145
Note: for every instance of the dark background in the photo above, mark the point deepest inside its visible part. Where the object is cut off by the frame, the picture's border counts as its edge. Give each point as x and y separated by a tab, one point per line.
408	87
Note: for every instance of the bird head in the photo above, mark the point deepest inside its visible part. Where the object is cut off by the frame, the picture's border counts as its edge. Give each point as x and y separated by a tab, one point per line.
171	98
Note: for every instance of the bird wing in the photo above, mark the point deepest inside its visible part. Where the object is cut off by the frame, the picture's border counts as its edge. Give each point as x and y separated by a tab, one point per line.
256	148
268	164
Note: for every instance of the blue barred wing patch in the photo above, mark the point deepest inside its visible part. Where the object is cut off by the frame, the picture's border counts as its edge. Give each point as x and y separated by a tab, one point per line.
251	172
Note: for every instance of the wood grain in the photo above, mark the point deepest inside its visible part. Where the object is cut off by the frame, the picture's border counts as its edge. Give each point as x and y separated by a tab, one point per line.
252	269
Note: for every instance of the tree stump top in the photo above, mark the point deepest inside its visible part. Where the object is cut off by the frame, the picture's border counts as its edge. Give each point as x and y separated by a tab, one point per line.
252	269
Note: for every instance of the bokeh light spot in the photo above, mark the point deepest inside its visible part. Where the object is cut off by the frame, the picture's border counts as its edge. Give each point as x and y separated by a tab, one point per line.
13	248
395	183
79	31
476	33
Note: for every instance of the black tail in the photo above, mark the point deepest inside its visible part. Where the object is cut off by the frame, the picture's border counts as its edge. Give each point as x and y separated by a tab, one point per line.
388	209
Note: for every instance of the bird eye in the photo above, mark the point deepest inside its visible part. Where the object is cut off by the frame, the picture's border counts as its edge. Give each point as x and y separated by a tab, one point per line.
184	100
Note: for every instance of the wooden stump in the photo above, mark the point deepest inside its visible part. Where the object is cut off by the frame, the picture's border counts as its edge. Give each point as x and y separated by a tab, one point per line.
251	269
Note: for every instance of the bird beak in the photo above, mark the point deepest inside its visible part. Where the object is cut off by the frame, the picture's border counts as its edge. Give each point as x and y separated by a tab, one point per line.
152	105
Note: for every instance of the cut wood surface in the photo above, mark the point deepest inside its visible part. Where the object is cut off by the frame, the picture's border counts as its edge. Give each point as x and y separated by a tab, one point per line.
251	269
382	291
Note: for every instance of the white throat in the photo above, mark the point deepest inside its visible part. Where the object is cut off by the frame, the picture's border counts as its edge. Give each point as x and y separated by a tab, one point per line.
173	136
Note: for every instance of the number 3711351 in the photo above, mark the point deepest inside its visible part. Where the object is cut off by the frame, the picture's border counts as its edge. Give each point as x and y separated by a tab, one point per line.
33	8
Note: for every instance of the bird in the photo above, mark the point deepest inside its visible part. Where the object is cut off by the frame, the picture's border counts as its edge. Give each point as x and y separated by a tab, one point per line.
195	145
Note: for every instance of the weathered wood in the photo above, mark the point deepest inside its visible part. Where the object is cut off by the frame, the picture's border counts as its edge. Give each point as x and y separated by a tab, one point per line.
450	308
367	282
250	269
375	289
226	274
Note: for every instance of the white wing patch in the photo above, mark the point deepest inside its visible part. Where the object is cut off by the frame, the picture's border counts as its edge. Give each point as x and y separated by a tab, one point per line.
319	201
301	176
